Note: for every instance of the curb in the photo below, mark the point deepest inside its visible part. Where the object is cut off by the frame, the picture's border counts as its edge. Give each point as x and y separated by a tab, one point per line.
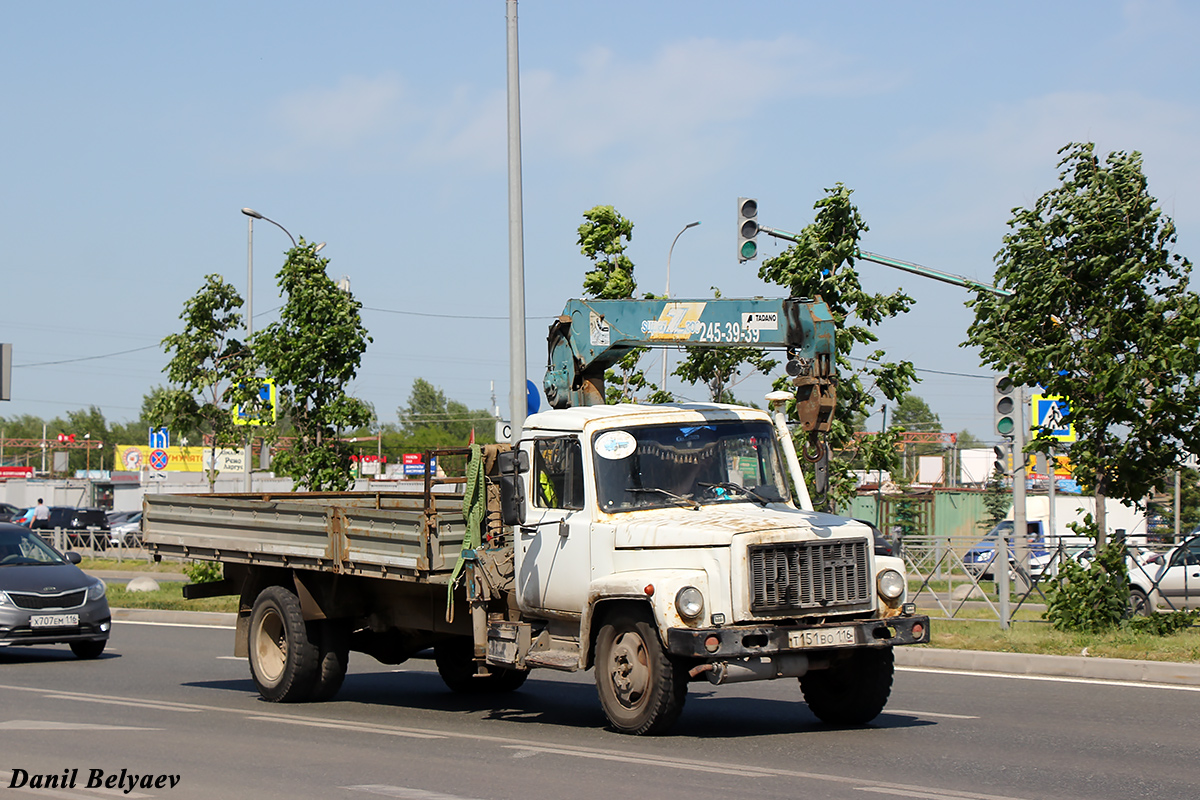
1111	669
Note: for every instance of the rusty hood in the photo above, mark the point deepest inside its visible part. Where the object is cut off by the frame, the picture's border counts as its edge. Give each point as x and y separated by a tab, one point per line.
717	525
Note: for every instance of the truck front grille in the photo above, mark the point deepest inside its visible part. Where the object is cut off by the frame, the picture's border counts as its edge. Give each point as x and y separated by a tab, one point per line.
810	575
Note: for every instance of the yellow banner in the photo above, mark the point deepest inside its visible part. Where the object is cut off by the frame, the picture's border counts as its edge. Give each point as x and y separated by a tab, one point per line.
136	457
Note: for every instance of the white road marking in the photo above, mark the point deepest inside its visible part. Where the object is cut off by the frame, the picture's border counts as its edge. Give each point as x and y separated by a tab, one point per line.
172	624
926	794
342	726
1051	678
44	725
403	792
114	702
928	714
630	758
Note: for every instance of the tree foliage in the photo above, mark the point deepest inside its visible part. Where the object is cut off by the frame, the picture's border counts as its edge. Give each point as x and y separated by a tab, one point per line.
821	264
312	353
603	239
1100	313
209	371
430	419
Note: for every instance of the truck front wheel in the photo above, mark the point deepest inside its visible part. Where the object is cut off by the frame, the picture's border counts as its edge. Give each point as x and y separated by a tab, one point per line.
641	690
283	661
852	691
455	659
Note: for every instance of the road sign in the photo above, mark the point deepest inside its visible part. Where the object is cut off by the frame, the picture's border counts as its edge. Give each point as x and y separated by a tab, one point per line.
262	410
160	438
158	459
1052	413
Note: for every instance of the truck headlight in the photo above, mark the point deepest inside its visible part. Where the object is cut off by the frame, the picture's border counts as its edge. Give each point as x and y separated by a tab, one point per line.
689	602
891	584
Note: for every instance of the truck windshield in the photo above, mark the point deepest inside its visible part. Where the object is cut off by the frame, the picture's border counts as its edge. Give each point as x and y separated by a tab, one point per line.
688	465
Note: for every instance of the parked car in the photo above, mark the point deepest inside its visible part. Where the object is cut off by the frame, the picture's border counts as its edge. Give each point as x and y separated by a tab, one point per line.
7	510
1170	584
127	531
978	560
24	516
85	527
46	599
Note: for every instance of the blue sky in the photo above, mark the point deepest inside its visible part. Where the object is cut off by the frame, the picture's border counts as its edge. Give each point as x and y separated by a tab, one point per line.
134	133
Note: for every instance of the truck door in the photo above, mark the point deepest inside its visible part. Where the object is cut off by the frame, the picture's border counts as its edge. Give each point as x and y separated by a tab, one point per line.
555	553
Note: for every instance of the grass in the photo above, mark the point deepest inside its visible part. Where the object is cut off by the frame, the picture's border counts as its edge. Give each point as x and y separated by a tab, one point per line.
975	627
169	597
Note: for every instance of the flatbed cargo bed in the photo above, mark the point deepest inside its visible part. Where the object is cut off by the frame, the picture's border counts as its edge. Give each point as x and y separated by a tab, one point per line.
412	536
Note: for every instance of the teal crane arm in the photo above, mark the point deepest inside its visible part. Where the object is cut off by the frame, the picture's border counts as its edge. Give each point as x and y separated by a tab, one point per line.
592	335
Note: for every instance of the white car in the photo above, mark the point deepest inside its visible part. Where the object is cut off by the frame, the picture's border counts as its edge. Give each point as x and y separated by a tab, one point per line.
1171	583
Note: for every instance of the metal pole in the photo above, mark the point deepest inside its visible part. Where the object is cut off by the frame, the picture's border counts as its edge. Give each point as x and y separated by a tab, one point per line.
246	485
516	244
667	294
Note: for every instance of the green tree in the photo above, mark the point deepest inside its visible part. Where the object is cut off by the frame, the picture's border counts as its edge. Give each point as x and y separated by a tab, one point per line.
821	264
312	353
209	371
1100	313
603	238
430	419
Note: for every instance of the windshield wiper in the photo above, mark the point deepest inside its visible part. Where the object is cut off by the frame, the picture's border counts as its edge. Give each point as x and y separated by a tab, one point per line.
695	506
758	498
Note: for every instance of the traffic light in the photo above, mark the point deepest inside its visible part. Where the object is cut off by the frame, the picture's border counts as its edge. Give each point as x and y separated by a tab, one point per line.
747	229
1004	405
1003	453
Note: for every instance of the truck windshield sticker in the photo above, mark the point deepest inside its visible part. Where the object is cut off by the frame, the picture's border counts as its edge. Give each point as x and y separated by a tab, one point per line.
615	445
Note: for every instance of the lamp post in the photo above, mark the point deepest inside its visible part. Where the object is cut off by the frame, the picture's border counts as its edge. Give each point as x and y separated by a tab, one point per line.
671	250
253	215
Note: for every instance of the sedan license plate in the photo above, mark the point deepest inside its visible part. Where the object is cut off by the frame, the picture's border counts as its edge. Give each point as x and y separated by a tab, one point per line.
54	621
824	637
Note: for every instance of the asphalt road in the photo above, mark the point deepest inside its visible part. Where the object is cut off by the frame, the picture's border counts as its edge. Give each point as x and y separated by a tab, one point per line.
168	701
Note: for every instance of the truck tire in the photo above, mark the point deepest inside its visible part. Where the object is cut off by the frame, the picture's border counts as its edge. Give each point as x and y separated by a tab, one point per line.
641	689
1139	603
852	691
284	662
455	659
333	656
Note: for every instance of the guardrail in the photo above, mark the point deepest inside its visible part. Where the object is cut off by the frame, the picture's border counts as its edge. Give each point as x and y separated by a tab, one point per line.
959	577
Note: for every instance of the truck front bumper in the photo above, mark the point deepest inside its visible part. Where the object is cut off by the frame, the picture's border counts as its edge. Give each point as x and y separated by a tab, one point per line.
743	641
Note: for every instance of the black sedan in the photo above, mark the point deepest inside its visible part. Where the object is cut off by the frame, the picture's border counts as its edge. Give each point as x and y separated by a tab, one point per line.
46	599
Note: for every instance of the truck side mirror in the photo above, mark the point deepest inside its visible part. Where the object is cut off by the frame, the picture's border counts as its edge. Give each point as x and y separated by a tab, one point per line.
512	465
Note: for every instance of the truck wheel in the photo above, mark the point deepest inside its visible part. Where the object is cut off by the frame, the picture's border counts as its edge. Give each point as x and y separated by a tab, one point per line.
1139	603
333	649
641	689
283	660
852	691
455	659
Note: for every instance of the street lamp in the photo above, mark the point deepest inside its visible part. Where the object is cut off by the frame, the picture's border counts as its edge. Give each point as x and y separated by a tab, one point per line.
253	215
663	387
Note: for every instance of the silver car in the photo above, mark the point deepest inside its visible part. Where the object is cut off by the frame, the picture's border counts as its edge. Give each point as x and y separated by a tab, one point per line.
46	599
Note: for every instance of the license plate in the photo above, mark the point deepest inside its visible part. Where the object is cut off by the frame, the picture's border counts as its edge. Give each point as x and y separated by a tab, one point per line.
825	637
54	621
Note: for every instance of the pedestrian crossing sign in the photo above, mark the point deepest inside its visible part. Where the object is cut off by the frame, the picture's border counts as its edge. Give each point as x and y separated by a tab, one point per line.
1052	414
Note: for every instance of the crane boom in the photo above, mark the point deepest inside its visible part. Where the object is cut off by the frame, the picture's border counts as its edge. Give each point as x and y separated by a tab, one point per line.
592	335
